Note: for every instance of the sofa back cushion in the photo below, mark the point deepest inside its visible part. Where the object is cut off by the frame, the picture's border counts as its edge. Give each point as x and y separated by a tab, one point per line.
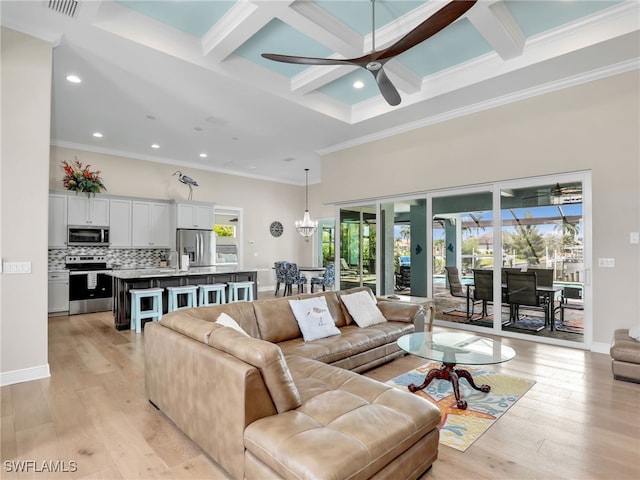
241	312
276	321
266	357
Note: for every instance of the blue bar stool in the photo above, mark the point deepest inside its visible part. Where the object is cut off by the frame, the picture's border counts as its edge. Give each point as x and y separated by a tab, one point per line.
137	314
218	288
173	292
236	287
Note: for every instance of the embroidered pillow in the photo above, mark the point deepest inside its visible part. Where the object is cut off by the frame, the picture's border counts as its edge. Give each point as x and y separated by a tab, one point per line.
362	307
634	332
314	319
226	321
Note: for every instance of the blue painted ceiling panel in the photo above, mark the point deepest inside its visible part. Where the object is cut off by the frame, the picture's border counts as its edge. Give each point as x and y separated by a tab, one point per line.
458	43
192	17
278	37
539	16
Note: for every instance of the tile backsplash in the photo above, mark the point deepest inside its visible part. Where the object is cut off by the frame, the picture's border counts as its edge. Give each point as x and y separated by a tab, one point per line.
116	257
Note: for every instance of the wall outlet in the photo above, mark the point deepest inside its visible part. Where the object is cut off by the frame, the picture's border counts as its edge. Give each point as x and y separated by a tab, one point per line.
607	262
634	237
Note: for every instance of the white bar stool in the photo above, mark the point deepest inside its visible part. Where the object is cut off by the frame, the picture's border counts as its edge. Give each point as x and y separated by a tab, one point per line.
218	288
236	287
137	314
174	292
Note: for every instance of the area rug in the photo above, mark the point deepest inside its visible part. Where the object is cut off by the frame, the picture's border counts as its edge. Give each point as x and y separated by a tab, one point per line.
460	428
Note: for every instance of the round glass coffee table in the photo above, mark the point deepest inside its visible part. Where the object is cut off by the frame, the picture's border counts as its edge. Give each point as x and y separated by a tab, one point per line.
453	348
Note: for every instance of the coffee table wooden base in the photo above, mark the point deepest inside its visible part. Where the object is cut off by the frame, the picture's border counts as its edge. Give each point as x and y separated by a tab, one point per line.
448	371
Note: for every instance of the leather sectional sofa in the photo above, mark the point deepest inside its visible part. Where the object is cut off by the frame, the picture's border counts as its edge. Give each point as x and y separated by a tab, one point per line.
269	405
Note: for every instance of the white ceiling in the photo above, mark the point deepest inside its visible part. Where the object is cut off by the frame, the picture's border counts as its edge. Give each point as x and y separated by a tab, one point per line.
188	75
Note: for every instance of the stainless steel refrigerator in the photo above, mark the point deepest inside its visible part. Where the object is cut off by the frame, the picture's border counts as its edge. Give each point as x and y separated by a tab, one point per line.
199	245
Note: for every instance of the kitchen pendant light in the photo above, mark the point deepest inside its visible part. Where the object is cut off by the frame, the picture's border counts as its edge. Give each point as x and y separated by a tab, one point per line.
306	227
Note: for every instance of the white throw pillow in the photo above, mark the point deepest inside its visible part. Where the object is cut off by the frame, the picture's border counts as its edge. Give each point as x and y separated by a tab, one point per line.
634	332
314	318
226	321
363	308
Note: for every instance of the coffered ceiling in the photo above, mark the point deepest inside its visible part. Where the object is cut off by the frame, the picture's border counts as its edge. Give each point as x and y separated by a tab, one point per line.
188	76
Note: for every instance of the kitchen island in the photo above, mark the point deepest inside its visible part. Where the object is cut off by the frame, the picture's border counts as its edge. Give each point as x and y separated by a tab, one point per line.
125	280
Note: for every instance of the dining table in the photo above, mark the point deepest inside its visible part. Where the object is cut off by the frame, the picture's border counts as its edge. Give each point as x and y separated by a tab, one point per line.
548	292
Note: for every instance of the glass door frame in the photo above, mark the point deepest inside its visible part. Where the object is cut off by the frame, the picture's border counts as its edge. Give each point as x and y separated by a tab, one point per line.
495	188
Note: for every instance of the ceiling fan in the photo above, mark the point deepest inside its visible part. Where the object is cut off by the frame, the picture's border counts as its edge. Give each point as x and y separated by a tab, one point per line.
374	61
559	191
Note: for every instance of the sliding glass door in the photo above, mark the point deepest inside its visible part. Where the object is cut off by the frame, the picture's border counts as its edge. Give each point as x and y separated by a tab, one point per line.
462	240
357	264
543	274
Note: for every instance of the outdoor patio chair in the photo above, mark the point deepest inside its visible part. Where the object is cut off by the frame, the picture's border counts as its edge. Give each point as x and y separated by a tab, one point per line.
345	270
522	291
483	288
403	278
571	299
456	290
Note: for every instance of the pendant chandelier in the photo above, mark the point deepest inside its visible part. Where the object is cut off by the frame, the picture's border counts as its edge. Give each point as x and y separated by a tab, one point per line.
306	227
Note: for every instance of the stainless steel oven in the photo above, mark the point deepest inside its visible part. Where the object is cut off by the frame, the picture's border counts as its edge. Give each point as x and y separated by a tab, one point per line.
90	284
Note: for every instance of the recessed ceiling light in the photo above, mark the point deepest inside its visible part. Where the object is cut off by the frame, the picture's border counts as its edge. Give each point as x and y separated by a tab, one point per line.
203	155
74	78
358	84
97	134
155	145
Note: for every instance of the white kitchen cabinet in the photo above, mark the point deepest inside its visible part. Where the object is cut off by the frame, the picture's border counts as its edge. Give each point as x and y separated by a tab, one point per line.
120	222
194	215
57	221
151	225
58	292
85	210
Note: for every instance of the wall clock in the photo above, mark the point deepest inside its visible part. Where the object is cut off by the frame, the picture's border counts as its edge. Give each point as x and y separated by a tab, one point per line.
276	229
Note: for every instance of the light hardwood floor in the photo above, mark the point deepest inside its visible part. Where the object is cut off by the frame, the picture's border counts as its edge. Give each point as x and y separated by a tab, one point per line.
575	423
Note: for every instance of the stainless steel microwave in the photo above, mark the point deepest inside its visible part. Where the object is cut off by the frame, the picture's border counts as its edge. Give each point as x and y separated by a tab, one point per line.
90	236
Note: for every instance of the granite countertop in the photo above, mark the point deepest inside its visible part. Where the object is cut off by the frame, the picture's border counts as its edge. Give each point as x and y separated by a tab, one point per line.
126	274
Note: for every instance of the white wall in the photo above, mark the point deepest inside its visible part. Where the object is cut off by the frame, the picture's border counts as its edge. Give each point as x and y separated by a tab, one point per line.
24	174
595	126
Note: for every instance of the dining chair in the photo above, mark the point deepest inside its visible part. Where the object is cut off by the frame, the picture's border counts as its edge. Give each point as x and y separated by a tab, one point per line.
483	288
456	290
403	277
326	280
522	291
281	274
293	277
571	299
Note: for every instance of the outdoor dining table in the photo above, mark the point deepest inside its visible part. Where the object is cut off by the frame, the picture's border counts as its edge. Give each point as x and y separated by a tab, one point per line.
548	292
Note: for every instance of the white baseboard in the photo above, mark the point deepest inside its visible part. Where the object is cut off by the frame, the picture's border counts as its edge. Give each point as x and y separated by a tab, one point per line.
24	375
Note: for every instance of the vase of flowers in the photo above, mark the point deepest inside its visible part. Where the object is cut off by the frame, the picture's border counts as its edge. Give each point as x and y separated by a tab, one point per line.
80	178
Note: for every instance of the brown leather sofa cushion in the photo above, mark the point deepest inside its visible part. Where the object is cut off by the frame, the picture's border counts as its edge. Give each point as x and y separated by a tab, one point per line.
267	358
190	326
352	340
336	433
241	312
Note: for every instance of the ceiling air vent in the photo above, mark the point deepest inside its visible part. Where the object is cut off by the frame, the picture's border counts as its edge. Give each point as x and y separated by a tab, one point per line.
65	7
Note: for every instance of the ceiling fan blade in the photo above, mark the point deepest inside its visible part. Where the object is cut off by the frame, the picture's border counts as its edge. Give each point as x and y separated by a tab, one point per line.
432	25
389	92
305	60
